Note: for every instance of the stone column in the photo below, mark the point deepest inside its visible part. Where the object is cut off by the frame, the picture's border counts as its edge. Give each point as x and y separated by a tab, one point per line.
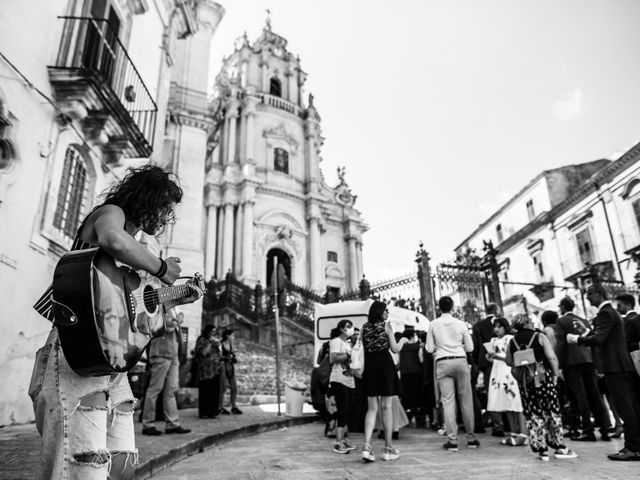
315	254
212	242
353	264
231	138
359	257
237	243
220	273
249	146
227	242
247	240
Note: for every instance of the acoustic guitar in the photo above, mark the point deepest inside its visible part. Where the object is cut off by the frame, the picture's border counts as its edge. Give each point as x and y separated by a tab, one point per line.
107	313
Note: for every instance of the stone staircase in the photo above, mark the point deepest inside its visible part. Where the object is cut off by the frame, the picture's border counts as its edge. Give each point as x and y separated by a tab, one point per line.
256	369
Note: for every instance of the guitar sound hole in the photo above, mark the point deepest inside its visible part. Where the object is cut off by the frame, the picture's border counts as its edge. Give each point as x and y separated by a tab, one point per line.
150	299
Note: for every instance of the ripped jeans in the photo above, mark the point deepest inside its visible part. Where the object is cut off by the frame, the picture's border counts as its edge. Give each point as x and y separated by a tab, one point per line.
86	423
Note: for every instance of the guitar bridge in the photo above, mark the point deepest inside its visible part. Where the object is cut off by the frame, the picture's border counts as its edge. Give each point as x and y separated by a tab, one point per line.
131	306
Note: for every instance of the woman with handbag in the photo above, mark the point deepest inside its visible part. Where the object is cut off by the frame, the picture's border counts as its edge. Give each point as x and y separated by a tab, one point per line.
535	368
208	369
381	381
342	382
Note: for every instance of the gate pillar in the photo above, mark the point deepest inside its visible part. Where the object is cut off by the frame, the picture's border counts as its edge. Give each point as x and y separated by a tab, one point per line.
427	301
491	263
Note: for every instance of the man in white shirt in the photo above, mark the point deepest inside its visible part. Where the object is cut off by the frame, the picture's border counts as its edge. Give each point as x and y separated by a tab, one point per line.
449	340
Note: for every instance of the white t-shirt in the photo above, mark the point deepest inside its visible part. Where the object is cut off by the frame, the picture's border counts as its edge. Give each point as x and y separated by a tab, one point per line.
337	345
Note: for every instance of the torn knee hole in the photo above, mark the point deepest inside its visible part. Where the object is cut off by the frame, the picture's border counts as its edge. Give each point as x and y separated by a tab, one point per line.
93	458
126	407
94	400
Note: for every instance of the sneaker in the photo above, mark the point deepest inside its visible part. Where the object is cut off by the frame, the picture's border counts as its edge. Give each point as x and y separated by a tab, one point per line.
153	431
178	429
236	411
390	453
544	456
442	431
340	448
473	443
367	454
347	445
565	453
450	446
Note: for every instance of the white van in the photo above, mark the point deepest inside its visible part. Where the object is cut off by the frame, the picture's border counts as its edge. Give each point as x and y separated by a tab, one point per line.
326	318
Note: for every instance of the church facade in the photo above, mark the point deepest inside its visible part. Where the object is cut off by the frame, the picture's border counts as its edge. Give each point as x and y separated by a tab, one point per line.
265	195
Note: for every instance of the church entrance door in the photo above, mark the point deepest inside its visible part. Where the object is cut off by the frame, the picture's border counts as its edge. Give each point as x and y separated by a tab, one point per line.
283	259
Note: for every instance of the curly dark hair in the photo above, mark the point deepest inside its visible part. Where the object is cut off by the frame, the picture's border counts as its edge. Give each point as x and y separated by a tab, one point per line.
147	196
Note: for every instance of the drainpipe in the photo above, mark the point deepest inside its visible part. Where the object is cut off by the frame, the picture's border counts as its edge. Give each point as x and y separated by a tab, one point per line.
613	243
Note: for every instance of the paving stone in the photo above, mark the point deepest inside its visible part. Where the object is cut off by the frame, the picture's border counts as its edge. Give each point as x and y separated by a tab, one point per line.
304	453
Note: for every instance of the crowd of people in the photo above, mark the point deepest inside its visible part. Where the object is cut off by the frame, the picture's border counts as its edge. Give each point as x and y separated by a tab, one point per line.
536	387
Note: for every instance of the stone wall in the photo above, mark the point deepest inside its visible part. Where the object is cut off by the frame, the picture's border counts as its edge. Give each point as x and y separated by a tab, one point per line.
256	369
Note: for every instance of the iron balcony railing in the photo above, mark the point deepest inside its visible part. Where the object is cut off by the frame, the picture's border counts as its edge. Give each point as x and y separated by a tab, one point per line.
91	49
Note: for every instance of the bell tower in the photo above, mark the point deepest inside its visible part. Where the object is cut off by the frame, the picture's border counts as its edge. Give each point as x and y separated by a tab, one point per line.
264	188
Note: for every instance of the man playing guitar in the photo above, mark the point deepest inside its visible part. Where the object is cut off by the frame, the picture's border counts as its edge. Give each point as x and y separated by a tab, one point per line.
86	422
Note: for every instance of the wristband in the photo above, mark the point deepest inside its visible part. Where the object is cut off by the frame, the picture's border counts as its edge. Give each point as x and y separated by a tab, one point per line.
162	270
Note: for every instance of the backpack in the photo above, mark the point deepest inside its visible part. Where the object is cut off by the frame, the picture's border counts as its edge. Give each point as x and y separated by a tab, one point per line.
526	370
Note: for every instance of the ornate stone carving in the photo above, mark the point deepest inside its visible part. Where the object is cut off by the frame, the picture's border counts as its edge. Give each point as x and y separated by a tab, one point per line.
280	132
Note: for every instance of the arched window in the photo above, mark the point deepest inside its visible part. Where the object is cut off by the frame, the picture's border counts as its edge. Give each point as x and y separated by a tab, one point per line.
275	87
72	192
281	160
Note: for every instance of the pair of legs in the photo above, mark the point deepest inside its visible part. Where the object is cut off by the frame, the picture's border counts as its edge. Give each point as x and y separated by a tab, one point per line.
583	383
163	379
623	398
453	376
228	382
86	423
344	404
373	404
209	397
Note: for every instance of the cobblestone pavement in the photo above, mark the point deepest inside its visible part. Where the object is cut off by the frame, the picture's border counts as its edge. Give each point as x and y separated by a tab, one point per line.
20	445
303	453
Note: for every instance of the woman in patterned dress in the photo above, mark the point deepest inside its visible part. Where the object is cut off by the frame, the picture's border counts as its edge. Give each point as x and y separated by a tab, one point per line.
539	397
503	391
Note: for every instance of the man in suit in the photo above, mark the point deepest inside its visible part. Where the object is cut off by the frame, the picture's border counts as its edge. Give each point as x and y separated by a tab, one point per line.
613	361
576	362
625	304
481	333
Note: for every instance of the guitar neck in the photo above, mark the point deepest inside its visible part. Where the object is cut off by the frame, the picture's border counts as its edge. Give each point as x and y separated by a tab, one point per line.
167	294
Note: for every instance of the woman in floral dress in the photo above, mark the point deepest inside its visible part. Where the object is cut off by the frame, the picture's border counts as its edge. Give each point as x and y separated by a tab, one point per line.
503	391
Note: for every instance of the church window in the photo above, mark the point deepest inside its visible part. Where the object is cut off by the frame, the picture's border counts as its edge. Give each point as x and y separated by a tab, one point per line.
281	160
71	193
499	233
332	257
275	87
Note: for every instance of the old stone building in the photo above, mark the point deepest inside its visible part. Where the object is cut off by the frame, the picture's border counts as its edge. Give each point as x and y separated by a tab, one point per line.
265	195
565	228
88	88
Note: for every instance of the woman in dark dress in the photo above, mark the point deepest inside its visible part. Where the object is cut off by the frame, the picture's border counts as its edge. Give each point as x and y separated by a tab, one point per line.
380	377
208	370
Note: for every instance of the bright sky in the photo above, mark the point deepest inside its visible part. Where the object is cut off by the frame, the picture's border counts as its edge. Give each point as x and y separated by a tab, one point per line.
441	110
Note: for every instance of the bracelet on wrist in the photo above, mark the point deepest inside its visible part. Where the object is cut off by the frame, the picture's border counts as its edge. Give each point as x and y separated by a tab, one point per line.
162	270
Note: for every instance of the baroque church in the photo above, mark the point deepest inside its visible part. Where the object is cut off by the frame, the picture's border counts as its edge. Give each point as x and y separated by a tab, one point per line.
265	196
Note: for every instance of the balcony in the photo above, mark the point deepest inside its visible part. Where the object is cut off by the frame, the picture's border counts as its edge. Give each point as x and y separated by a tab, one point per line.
279	103
577	267
95	81
188	100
